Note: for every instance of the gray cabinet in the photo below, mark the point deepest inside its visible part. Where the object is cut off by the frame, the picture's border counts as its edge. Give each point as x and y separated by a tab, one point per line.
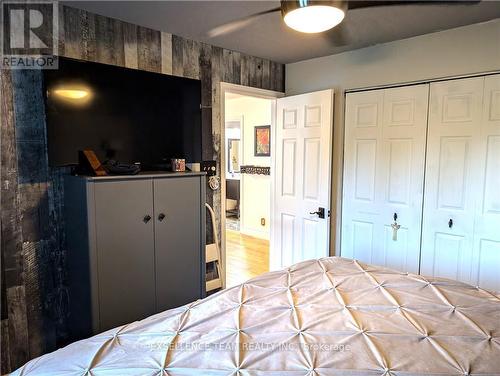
135	247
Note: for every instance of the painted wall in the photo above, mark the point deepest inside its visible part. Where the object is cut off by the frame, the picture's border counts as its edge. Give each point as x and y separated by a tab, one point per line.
34	295
461	51
255	189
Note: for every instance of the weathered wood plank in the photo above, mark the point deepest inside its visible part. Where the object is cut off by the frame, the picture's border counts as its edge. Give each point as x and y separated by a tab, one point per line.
36	265
244	71
29	113
18	326
217	74
258	72
277	77
281	78
79	34
207	154
88	43
34	211
130	45
166	53
266	74
190	59
236	79
10	222
177	55
4	349
3	300
227	66
205	63
61	33
71	31
149	49
109	41
273	76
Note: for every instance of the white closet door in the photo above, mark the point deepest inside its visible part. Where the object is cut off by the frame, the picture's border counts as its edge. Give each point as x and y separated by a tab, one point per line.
383	175
453	178
486	258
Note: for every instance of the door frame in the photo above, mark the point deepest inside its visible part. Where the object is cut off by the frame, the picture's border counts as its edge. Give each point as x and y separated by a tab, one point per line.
226	87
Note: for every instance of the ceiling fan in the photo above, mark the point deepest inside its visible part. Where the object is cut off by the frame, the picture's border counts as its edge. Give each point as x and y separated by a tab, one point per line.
310	16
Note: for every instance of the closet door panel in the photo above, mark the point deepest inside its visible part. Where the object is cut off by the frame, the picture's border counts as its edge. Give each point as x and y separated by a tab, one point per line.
487	216
383	175
452	180
402	175
362	159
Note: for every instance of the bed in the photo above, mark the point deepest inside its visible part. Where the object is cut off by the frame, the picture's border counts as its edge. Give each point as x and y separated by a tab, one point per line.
332	316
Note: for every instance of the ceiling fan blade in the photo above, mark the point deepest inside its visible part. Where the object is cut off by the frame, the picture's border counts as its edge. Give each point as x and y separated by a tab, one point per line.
238	24
355	4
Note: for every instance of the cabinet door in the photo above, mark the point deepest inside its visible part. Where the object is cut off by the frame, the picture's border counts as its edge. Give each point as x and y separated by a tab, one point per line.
178	242
383	176
452	178
125	246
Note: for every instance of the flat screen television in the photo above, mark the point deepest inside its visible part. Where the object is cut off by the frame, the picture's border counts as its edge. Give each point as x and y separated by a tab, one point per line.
126	115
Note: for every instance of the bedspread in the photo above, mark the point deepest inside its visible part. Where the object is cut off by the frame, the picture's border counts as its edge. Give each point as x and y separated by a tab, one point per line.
332	316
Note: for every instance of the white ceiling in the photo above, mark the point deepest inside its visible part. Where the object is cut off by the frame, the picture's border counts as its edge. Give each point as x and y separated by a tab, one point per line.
268	37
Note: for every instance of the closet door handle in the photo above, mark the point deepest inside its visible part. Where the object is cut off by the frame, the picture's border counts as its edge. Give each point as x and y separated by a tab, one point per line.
450	223
146	218
161	217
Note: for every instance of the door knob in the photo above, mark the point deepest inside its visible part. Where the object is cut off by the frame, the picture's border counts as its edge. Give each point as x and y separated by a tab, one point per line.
320	213
146	218
161	217
450	223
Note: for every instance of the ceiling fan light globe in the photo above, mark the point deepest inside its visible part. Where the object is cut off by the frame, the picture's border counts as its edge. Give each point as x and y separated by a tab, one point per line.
314	18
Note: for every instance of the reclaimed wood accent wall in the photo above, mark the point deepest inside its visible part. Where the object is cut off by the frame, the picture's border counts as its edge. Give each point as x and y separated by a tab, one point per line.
34	297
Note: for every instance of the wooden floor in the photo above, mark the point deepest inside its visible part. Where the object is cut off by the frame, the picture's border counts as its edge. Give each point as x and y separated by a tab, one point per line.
247	257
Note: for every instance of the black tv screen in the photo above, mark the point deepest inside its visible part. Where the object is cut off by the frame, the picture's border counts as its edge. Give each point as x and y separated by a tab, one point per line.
121	114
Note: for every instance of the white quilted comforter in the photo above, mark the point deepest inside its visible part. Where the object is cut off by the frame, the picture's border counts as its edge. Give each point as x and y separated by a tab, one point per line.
328	317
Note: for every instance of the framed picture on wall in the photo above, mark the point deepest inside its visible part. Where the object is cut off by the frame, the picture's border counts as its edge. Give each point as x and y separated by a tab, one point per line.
263	141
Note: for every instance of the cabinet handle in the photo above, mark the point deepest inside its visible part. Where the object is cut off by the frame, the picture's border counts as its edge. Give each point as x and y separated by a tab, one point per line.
161	217
146	218
450	223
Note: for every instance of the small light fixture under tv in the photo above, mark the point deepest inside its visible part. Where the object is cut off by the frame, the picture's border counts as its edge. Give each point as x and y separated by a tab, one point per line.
71	93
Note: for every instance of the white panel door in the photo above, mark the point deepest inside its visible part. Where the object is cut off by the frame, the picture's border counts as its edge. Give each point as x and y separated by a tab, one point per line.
453	178
302	179
486	251
385	133
361	207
